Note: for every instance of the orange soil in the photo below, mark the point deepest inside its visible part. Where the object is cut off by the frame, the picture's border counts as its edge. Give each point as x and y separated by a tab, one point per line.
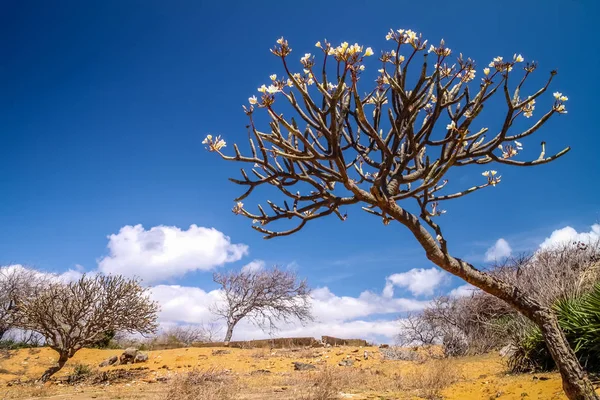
482	377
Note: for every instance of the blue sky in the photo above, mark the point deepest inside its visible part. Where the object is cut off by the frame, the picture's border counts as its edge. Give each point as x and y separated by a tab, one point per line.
105	103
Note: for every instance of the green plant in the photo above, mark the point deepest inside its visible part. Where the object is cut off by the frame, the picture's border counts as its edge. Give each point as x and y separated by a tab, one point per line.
579	318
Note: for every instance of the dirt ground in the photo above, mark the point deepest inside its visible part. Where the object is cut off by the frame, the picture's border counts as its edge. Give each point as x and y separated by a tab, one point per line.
269	374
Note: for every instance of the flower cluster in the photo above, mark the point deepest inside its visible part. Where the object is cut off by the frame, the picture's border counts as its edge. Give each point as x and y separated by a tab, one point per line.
528	108
214	144
346	52
238	208
509	150
406	36
282	49
492	178
559	102
441	51
501	65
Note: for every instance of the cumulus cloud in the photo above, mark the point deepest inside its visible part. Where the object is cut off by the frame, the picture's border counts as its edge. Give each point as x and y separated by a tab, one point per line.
569	235
463	290
334	315
68	276
254	266
500	249
418	281
164	252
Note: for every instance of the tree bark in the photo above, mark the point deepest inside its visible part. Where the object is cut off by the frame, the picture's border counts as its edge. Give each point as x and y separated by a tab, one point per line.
576	383
63	357
229	333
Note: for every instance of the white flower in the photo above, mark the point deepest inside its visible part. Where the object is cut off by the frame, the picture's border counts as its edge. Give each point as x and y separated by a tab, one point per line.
410	36
215	144
273	77
561	109
263	89
318	44
563	98
431	48
252	100
486	71
518	58
368	52
519	145
238	208
273	89
486	173
528	108
451	126
306	59
281	40
557	95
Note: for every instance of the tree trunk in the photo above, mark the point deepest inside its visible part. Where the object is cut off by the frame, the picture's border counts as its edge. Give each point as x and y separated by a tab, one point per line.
229	333
62	359
576	383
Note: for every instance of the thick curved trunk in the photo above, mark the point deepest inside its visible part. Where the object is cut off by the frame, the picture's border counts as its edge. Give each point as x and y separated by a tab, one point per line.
576	383
63	357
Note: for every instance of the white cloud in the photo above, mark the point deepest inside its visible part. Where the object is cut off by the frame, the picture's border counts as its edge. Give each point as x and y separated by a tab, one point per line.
68	276
334	315
500	249
568	235
463	291
418	281
164	252
254	266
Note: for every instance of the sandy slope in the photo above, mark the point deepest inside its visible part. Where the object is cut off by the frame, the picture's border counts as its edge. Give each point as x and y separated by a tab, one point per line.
481	377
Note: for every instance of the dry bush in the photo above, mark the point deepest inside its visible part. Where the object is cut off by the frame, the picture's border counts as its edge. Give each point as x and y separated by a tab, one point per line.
428	380
481	322
211	384
322	385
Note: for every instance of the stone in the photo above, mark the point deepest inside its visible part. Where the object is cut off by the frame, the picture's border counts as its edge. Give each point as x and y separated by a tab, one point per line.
128	356
346	363
109	361
300	366
140	357
220	352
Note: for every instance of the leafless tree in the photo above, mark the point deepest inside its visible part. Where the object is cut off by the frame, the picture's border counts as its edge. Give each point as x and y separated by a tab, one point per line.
265	297
392	148
73	315
14	281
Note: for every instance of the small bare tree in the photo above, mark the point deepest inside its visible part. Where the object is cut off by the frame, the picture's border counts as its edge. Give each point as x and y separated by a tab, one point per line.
390	148
14	281
74	315
265	297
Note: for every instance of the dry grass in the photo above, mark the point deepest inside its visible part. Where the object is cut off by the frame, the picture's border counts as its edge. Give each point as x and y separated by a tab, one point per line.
202	385
428	380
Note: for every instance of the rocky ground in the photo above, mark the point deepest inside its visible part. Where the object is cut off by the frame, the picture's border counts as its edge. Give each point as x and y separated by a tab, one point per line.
345	372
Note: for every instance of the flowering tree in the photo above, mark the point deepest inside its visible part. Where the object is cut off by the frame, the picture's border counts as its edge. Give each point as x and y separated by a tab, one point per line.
392	146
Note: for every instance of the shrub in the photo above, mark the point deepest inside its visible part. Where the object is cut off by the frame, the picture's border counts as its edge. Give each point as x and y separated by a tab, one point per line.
211	384
579	318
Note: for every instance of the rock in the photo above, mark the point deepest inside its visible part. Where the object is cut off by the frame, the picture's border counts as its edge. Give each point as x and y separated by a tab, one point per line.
384	346
219	352
507	351
300	366
109	361
140	357
366	355
260	372
128	356
346	363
